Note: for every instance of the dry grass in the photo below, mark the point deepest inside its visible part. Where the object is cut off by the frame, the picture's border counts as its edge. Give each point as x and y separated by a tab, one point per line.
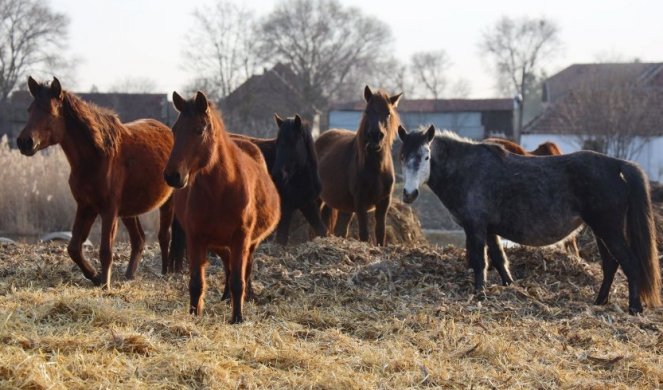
330	314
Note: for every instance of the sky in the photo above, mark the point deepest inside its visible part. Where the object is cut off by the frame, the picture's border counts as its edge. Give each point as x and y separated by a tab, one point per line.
120	39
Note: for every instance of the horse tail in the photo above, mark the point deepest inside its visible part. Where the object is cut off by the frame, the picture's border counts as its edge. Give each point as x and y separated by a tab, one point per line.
641	234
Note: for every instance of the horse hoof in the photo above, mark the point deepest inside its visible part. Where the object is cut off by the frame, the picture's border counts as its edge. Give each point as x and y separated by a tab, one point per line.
634	310
236	321
481	295
193	311
97	280
129	276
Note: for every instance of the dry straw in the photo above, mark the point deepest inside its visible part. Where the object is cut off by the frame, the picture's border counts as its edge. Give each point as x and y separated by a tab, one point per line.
329	314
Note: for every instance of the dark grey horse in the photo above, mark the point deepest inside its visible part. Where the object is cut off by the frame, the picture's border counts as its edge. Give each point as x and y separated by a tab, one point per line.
539	201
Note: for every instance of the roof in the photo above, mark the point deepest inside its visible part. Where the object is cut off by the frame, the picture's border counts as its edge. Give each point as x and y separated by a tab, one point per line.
436	105
595	75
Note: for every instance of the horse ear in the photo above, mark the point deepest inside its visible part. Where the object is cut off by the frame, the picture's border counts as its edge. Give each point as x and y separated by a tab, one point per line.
367	94
430	133
402	133
201	102
395	99
178	101
298	122
278	119
56	88
33	86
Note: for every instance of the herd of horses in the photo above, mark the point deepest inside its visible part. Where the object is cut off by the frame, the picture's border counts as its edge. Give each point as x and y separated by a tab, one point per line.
225	193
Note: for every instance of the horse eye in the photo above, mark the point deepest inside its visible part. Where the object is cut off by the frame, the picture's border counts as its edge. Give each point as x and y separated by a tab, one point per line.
427	158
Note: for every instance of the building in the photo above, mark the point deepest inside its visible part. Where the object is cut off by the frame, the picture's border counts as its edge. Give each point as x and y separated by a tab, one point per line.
472	118
614	108
128	106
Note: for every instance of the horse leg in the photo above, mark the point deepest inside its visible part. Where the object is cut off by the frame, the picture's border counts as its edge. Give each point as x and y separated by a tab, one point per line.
177	247
381	210
85	217
166	214
362	221
238	267
197	264
609	265
312	214
571	246
137	239
250	294
613	238
328	216
225	258
342	223
108	230
476	251
283	228
498	258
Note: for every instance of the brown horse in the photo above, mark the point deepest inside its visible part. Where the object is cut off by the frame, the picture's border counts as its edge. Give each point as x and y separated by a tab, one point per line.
356	168
544	149
227	202
116	171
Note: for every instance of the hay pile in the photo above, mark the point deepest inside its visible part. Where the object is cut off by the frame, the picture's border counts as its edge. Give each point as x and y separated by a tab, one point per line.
403	226
330	313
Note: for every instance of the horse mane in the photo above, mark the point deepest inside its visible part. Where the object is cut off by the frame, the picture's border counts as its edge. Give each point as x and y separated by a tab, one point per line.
392	128
494	148
101	125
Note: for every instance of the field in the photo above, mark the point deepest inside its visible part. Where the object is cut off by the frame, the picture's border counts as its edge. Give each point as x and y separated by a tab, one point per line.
330	313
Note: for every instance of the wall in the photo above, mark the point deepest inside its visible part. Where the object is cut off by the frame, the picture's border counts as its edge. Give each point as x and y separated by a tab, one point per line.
650	157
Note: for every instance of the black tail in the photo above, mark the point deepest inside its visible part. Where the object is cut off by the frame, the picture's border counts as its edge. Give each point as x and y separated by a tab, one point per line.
641	233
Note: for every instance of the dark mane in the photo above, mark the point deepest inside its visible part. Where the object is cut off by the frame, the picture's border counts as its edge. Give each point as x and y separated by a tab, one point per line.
102	126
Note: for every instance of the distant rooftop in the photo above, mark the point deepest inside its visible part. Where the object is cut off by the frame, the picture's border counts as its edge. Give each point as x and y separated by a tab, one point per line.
437	105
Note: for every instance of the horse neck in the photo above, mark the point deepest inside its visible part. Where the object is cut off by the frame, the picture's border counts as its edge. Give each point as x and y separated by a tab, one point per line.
223	152
446	158
79	150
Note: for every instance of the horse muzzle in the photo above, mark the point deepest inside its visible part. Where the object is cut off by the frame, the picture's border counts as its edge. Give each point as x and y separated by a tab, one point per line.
175	180
409	197
27	146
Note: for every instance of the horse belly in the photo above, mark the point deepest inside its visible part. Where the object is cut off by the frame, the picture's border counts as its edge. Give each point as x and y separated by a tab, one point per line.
543	233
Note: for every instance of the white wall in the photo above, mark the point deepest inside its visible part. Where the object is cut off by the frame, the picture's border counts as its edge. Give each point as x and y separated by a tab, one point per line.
650	157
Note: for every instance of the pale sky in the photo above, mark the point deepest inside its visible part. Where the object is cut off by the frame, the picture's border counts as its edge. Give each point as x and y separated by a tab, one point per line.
119	39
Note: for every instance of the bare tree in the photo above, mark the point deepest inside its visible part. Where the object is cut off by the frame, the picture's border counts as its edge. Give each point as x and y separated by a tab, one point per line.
429	70
324	43
219	47
31	36
618	118
134	85
517	48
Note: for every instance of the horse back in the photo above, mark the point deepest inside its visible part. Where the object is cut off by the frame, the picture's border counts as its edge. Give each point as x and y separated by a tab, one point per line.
267	146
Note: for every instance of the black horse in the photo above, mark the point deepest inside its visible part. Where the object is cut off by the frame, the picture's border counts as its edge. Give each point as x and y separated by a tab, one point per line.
539	201
293	166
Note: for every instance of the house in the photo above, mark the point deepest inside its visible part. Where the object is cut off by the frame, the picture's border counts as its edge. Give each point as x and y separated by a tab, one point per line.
250	108
472	118
613	108
128	106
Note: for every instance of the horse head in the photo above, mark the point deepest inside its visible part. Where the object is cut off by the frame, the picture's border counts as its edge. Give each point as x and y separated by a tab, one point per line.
45	125
194	139
416	160
380	119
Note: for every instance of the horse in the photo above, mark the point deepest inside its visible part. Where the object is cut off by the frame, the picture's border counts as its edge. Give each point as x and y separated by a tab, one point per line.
116	171
225	200
293	165
356	168
544	149
537	202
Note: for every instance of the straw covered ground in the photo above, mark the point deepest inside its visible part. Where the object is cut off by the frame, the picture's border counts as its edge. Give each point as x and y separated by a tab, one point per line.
330	313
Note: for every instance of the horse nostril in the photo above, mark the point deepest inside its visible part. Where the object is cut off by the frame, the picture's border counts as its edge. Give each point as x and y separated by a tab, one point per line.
173	179
25	144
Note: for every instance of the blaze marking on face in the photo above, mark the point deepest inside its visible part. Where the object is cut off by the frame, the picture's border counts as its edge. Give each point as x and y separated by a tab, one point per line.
416	169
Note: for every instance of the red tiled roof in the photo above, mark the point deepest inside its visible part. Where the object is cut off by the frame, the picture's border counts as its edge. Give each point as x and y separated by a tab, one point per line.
437	105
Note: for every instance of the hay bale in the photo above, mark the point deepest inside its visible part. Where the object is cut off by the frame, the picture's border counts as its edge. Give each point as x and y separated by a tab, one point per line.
403	226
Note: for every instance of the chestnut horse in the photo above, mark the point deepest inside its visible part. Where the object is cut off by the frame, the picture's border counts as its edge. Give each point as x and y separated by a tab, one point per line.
116	171
544	149
356	168
227	200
